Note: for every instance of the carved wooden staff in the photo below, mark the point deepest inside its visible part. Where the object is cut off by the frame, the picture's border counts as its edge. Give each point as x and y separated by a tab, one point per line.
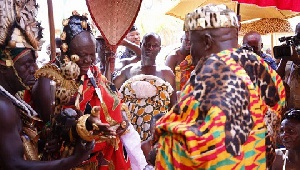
52	30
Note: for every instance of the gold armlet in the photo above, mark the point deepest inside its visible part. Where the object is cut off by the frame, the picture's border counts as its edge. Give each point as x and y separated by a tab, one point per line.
82	131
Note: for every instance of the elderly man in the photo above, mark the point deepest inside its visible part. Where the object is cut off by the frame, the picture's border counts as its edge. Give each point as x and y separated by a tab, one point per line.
219	121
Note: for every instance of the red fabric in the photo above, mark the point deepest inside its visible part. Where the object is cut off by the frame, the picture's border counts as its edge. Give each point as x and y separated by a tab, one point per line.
293	5
104	152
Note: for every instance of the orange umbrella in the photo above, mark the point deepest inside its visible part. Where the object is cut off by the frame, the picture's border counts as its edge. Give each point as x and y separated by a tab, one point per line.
246	11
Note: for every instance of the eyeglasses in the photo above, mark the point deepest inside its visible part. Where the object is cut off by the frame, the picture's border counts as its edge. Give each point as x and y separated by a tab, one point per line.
148	45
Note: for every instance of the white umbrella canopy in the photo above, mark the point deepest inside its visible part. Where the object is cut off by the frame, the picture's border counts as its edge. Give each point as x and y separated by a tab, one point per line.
246	11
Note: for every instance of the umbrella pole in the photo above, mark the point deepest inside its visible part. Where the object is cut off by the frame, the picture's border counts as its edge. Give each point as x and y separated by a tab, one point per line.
52	30
238	12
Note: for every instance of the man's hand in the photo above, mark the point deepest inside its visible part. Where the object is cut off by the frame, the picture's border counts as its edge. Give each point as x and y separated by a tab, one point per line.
99	128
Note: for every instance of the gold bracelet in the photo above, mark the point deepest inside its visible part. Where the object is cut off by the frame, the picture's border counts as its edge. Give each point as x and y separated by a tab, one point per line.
82	131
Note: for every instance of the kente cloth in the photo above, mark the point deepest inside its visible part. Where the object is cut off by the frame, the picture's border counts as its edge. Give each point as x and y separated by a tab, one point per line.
145	96
183	72
108	153
219	121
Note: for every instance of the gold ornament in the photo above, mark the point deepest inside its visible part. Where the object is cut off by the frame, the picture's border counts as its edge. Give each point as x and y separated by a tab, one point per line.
66	58
12	44
74	58
65	22
64	47
9	63
63	36
81	129
84	24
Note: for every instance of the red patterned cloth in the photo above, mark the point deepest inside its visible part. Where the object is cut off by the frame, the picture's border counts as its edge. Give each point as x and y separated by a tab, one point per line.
109	153
183	72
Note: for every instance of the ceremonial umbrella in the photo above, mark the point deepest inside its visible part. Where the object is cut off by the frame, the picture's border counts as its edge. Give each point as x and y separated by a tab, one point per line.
114	18
246	11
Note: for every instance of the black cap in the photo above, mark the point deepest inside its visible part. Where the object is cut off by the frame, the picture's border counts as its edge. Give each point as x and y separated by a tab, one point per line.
133	28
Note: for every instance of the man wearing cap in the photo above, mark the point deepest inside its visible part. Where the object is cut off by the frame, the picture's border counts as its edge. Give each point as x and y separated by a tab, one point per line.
219	121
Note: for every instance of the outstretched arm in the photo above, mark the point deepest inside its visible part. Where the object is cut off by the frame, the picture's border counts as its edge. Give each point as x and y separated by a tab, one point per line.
132	46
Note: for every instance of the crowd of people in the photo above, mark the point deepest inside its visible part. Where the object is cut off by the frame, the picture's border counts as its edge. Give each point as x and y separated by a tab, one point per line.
213	104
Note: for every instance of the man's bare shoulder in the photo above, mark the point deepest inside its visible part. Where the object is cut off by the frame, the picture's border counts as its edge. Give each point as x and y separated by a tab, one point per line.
173	54
125	71
164	69
7	111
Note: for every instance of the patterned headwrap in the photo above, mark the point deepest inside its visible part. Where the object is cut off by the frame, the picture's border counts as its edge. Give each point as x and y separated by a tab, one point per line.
74	25
210	16
20	33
